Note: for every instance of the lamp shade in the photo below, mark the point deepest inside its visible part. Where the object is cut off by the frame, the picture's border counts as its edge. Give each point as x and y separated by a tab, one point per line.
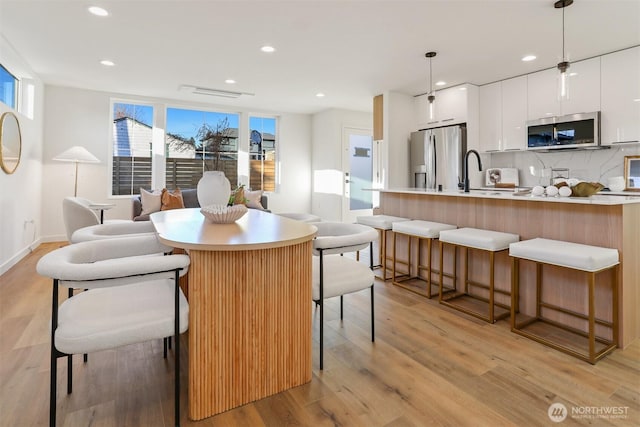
77	154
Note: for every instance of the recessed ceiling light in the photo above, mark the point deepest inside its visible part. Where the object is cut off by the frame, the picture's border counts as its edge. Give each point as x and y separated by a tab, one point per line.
107	63
463	88
636	100
320	95
441	83
573	74
230	81
528	58
98	11
268	49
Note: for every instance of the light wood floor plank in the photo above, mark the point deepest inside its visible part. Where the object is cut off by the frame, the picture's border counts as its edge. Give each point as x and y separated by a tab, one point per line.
429	366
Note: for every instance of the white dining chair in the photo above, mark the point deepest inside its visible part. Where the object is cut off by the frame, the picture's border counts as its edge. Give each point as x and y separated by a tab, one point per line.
337	275
113	230
131	297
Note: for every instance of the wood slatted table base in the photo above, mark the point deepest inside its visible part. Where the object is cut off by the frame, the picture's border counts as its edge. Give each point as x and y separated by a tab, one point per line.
249	325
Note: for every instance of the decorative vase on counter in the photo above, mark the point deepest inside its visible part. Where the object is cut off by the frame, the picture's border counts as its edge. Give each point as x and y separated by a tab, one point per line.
213	189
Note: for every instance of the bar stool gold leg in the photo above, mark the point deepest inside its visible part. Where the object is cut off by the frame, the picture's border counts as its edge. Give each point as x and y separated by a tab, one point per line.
393	263
491	285
515	298
538	289
429	244
440	272
592	318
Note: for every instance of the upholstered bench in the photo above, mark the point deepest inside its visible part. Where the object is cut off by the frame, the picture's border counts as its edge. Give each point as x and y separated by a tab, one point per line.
488	241
591	260
421	230
383	224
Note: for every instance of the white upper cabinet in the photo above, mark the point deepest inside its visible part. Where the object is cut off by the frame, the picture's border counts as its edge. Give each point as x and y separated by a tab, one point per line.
584	81
503	115
450	108
514	114
584	96
491	117
542	100
620	118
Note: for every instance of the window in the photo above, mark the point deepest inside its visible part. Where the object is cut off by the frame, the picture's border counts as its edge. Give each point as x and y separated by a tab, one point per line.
8	88
132	137
200	141
262	153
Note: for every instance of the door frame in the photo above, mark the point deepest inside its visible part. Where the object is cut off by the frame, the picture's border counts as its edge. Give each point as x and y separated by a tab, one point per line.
347	214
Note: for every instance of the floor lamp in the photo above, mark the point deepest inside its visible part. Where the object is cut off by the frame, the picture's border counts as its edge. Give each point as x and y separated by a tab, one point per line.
77	155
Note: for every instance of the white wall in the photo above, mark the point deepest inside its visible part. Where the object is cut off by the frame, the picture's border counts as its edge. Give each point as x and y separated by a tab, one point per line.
82	117
20	192
328	178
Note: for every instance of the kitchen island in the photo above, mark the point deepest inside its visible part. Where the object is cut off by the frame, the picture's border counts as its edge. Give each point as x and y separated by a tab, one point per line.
249	305
600	220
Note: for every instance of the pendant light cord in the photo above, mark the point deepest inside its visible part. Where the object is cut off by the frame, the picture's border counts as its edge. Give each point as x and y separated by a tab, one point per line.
430	78
563	34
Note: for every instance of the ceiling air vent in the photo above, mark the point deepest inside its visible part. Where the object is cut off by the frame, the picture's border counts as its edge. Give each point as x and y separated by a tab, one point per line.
213	92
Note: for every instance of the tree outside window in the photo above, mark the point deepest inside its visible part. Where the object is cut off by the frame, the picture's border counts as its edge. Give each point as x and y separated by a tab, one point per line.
199	141
262	153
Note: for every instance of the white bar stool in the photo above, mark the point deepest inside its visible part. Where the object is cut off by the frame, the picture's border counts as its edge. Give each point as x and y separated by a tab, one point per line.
422	230
589	259
383	224
488	241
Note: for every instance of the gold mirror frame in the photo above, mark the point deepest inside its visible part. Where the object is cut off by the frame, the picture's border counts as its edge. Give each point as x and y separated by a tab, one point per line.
632	173
10	142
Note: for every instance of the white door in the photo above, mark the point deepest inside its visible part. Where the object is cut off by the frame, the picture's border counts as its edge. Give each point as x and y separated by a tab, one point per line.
358	173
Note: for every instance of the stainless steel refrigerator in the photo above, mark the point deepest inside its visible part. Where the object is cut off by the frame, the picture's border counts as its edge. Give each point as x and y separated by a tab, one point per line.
436	157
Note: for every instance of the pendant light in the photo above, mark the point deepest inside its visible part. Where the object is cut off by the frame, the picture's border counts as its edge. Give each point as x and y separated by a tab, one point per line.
431	96
563	83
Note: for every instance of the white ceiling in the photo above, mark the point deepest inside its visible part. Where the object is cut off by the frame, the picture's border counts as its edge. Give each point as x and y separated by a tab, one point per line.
350	50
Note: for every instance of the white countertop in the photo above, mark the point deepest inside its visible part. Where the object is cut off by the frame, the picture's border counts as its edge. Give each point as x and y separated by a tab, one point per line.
596	199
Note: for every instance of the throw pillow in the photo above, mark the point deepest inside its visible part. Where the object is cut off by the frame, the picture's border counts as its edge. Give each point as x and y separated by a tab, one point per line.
253	199
151	201
171	200
238	196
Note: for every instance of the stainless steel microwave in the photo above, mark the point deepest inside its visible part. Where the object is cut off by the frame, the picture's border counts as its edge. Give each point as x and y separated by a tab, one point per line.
563	132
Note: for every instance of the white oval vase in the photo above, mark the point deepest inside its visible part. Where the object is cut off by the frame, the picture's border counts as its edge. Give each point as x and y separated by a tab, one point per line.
213	189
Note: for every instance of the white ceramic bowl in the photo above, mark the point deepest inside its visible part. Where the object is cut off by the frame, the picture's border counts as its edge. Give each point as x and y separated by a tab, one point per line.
219	214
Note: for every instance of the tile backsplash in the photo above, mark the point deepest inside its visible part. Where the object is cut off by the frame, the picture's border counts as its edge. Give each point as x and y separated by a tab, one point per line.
589	165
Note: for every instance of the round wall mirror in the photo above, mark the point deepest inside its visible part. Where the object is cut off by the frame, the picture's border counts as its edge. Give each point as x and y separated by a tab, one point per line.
10	141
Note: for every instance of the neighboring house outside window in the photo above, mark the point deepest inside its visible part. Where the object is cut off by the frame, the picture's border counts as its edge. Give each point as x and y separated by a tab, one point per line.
131	159
195	141
199	141
8	88
262	153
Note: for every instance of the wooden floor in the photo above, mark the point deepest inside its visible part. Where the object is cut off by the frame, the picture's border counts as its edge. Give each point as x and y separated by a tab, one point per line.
429	366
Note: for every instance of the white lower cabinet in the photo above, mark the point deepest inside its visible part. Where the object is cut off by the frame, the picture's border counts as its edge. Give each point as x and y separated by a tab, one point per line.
620	113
